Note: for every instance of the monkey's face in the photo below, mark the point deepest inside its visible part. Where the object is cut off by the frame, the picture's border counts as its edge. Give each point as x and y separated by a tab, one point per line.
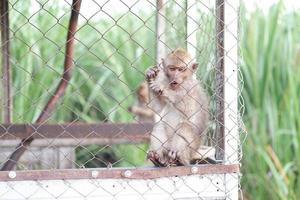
177	74
178	71
178	67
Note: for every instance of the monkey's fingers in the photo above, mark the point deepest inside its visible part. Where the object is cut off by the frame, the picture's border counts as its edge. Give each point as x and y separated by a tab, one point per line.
158	91
151	73
130	109
155	88
172	154
173	158
156	69
156	162
154	158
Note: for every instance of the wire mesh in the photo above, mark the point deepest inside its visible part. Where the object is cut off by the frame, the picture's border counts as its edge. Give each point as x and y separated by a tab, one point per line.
104	116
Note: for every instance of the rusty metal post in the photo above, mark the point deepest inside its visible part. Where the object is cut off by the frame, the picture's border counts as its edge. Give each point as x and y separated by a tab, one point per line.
21	148
220	78
6	96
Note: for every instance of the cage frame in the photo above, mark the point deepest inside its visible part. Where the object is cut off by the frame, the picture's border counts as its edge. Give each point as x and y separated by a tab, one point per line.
227	127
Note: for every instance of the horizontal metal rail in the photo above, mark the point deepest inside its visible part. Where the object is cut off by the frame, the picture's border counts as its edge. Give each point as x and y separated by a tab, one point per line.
129	173
128	131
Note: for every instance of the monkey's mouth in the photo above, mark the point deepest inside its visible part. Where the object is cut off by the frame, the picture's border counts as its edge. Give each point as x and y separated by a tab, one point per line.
174	85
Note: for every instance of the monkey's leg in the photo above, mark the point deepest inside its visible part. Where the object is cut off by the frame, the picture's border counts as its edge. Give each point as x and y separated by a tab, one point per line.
143	111
179	153
158	145
183	142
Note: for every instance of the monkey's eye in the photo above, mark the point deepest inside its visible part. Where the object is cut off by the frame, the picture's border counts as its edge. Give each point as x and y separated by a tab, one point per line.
181	69
172	69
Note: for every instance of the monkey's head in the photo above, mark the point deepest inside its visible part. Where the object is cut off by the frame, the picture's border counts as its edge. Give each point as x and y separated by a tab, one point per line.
178	67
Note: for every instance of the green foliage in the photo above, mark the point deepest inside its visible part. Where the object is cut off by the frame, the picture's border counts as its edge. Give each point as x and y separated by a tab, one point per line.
270	64
110	58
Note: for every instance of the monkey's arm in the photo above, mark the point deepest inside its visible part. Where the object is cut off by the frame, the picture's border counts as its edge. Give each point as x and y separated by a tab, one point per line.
158	83
137	110
160	87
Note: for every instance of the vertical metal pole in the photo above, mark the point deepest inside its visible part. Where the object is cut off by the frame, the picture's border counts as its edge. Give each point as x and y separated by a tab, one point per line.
191	27
160	46
6	96
219	90
160	31
231	85
231	130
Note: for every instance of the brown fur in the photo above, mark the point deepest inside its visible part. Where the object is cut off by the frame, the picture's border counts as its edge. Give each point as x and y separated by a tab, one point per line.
141	110
178	134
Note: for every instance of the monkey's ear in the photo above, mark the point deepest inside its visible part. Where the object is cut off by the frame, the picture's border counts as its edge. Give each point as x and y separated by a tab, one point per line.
194	66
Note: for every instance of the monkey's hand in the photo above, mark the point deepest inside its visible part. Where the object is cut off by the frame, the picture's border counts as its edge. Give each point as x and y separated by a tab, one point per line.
151	73
155	87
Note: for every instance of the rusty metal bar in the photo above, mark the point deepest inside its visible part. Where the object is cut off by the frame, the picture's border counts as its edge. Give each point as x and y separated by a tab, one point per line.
220	78
135	173
132	131
21	148
6	95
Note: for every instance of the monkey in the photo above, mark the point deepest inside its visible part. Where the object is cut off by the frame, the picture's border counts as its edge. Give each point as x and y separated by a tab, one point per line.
177	136
141	110
147	110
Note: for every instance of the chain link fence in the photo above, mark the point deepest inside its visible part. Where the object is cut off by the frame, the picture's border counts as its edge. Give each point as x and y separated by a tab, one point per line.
76	110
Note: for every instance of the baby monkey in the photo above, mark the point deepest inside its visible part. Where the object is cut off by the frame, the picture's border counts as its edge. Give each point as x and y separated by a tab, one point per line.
178	134
142	110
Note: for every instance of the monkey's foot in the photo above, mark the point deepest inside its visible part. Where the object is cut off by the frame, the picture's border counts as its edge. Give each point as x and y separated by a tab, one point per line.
172	154
174	158
155	159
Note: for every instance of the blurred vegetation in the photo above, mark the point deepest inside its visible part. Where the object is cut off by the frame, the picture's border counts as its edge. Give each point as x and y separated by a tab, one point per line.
270	62
111	57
